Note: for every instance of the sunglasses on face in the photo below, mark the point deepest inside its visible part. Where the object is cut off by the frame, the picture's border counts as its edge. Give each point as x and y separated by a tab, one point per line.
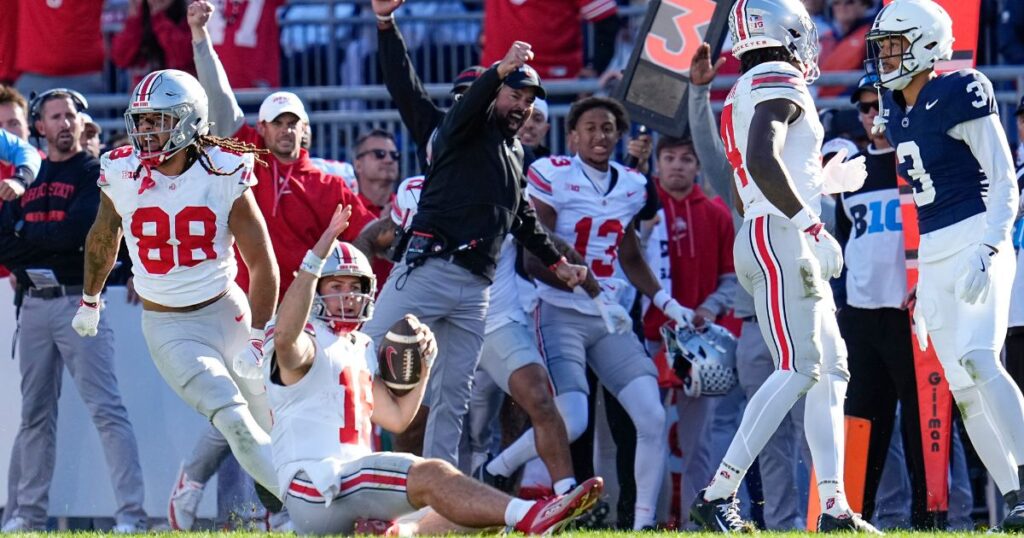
380	154
866	107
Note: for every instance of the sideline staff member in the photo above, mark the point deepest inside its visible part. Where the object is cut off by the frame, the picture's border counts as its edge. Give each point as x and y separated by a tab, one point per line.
472	197
41	239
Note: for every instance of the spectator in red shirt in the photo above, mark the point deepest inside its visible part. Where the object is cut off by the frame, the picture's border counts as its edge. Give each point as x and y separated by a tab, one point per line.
553	28
376	173
247	38
155	36
296	198
845	49
59	45
9	42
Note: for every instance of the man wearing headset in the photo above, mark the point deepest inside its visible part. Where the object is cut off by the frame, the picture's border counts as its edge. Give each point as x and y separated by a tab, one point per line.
41	239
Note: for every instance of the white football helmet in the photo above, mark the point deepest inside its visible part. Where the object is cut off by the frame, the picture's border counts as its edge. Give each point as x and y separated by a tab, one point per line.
346	260
759	24
927	28
704	359
174	93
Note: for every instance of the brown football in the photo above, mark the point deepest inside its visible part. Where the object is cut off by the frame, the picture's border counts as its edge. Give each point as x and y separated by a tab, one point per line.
398	356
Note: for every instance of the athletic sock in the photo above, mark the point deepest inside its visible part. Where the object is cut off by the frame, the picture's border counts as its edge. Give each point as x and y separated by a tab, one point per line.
824	428
725	482
516	510
564	486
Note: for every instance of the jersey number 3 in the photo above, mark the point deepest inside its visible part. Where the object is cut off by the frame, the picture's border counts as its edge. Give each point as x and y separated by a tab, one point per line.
191	244
921	180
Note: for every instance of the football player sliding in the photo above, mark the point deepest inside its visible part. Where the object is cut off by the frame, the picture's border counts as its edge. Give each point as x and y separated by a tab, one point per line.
330	477
951	146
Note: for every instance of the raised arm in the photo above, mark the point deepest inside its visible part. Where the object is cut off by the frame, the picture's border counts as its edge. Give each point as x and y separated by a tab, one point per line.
707	143
250	231
225	114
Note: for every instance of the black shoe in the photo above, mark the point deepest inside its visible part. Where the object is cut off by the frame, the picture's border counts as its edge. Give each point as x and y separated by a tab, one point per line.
1014	520
595	518
496	481
268	499
719	515
851	523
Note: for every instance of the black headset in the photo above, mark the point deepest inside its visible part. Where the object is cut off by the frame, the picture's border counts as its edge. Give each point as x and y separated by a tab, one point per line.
35	105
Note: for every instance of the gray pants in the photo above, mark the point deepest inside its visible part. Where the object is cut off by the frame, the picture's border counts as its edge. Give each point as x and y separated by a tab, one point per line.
780	457
47	344
453	303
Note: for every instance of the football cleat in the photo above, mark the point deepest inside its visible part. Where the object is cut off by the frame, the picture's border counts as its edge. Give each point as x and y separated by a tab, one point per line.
1014	520
719	515
847	523
551	516
496	481
184	501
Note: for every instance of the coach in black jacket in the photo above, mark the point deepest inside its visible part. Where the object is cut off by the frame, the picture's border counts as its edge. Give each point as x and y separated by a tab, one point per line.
472	197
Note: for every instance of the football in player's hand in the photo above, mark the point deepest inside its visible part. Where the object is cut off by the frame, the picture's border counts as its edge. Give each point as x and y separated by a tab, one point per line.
399	358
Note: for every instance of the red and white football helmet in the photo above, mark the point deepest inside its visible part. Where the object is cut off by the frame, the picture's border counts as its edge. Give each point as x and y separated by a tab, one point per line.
347	260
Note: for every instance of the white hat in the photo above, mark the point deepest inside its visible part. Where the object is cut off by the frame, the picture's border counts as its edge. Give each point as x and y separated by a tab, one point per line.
278	103
540	106
87	119
838	143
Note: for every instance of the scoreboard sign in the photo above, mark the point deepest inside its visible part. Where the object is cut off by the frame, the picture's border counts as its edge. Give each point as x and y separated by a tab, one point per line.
654	84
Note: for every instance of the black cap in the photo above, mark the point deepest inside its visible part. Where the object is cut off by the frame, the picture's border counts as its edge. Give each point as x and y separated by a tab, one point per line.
1020	107
465	78
526	77
866	83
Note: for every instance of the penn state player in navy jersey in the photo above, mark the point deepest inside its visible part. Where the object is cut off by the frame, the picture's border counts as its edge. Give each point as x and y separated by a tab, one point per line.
951	146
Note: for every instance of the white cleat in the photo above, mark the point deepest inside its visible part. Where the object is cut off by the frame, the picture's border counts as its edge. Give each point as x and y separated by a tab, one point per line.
16	524
184	501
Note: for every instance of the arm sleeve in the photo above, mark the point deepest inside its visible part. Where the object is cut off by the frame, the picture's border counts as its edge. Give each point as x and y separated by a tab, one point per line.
538	182
988	143
720	300
226	115
531	235
124	46
606	32
69	234
470	112
419	113
19	153
707	143
651	204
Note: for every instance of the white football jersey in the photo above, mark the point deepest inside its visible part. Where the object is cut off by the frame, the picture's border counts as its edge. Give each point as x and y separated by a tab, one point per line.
323	421
507	295
591	220
801	153
176	228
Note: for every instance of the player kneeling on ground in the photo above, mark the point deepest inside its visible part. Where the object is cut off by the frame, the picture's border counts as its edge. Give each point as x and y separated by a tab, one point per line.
325	393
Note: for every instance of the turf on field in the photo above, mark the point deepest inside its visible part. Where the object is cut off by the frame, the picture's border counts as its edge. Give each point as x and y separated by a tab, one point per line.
582	534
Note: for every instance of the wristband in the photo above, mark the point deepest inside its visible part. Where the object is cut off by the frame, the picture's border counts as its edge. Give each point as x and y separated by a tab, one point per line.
555	265
256	334
312	264
804	219
24	175
386	18
92	301
661	299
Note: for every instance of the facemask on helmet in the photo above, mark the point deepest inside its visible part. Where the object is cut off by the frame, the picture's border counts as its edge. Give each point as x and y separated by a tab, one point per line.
345	260
183	107
705	360
915	34
759	24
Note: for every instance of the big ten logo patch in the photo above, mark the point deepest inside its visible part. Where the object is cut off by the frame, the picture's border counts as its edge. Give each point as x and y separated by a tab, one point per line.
876	216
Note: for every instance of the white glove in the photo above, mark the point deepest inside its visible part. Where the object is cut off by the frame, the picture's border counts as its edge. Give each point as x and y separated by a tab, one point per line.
920	329
670	307
975	275
826	250
844	176
878	124
87	320
249	363
616	317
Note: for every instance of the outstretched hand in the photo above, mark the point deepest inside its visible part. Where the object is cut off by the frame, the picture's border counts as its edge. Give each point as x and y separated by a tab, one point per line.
338	224
199	12
701	70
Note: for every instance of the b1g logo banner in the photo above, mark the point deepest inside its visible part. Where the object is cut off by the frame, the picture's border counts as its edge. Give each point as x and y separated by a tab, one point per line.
654	84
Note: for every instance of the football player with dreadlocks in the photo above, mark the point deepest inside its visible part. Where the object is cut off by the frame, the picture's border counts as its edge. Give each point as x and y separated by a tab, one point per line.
182	199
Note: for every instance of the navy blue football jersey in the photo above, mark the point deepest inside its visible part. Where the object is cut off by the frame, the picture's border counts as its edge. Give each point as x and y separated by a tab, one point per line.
949	184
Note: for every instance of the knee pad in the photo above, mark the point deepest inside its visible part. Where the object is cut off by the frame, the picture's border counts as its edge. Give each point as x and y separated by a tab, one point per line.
573	408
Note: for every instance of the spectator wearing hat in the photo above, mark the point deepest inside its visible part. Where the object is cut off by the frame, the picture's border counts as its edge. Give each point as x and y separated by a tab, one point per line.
534	132
91	135
873	316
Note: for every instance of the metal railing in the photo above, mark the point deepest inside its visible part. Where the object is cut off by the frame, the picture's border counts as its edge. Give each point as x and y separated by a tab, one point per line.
339	113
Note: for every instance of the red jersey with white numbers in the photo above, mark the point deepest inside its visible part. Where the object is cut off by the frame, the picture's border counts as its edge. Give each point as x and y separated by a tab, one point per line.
246	36
176	228
74	24
552	27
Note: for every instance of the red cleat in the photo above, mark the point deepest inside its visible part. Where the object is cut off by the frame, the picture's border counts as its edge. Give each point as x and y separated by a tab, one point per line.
552	515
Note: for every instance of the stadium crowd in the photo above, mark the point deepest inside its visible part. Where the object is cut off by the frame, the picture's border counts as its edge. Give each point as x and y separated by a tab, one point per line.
496	422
